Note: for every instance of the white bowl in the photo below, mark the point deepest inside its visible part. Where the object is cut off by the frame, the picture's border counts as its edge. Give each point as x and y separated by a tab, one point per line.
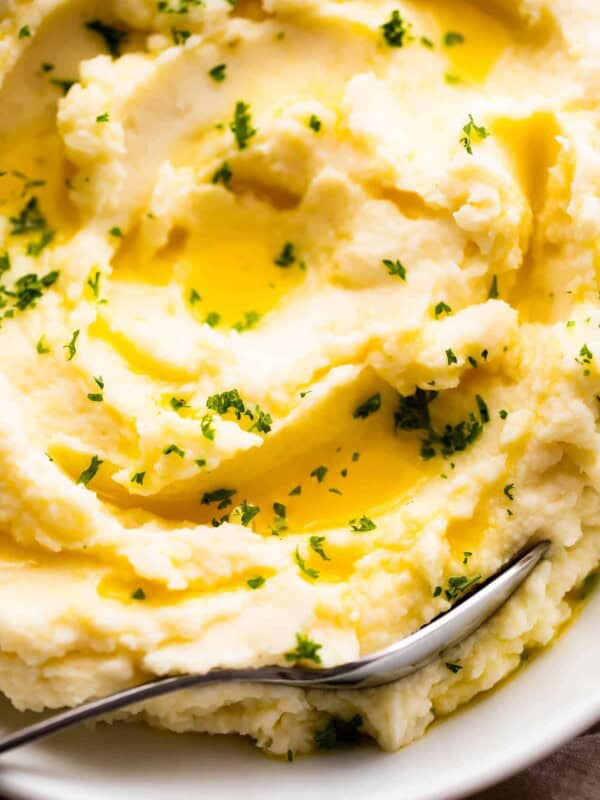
555	697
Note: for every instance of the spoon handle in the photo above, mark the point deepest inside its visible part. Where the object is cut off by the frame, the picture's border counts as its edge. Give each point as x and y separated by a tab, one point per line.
402	658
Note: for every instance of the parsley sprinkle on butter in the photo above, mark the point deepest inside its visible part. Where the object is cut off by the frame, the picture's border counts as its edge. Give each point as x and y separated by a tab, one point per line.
319	473
362	525
394	30
256	582
90	471
370	406
452	38
223	174
316	543
286	257
308	571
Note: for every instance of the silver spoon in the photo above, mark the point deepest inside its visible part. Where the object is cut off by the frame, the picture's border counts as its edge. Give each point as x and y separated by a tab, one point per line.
400	659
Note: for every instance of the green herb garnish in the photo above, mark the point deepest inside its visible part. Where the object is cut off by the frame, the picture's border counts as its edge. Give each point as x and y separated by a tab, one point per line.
286	257
218	73
472	129
173	448
306	650
71	346
316	543
90	471
452	38
395	268
362	525
241	125
256	582
370	406
220	496
394	30
308	571
223	174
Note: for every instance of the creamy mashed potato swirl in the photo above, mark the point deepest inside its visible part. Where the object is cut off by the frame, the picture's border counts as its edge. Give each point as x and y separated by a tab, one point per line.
300	338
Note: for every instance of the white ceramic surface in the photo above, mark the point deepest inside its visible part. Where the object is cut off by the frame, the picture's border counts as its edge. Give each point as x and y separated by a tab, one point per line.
553	699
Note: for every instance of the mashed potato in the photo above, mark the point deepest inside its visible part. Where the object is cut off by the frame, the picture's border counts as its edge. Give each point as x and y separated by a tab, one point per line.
300	338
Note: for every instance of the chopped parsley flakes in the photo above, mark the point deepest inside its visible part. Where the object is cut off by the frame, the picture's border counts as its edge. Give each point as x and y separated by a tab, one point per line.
41	345
26	291
206	426
139	594
138	477
173	448
241	125
230	400
316	543
29	220
256	582
71	346
470	130
314	123
394	30
220	496
223	174
212	319
442	308
179	6
247	512
395	268
286	257
585	358
113	37
306	650
180	36
370	406
90	471
413	414
251	318
319	473
94	283
63	84
452	38
450	357
177	403
362	525
308	571
453	667
217	73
